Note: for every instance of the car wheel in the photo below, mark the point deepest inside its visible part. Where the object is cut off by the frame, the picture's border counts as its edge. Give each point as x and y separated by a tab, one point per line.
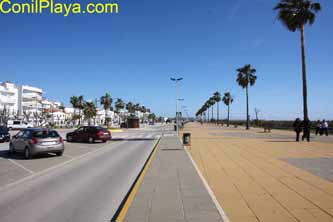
60	153
104	141
91	140
27	154
69	138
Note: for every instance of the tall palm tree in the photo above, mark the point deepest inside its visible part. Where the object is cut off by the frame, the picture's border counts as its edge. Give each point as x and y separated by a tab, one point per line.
228	100
207	105
217	98
119	104
130	108
295	14
211	102
106	101
245	77
80	106
89	111
74	100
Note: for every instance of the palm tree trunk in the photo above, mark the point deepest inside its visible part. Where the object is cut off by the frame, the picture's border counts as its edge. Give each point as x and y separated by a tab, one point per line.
247	108
212	113
208	115
305	93
228	115
105	121
217	113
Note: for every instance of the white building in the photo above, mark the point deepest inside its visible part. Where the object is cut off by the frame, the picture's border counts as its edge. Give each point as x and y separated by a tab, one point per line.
49	104
29	99
9	98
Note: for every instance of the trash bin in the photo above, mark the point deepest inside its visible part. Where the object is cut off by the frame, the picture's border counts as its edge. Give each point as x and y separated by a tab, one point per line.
187	139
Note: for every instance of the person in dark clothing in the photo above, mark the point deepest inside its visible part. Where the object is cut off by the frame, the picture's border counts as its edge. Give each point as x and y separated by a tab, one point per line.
297	128
318	127
306	124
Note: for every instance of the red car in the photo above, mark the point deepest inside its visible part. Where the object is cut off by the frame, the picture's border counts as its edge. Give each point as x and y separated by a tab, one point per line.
89	134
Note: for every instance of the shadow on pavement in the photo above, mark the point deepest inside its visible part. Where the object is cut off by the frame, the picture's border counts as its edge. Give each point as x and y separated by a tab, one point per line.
20	156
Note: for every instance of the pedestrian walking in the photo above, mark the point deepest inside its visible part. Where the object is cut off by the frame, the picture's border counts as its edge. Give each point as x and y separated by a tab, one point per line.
297	128
306	124
318	127
325	127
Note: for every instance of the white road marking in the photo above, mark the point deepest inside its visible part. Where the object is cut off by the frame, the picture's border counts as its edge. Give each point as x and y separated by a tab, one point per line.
34	174
211	193
21	166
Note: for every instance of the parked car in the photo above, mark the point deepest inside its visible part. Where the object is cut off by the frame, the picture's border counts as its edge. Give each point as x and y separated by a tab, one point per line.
4	134
35	141
18	124
89	134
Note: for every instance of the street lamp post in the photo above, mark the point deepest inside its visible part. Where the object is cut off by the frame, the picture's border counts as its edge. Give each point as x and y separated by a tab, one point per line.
177	80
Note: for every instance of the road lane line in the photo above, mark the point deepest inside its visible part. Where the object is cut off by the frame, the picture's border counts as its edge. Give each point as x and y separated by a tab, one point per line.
7	186
124	207
21	166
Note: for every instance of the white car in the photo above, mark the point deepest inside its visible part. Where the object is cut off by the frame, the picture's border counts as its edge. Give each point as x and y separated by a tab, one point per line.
18	124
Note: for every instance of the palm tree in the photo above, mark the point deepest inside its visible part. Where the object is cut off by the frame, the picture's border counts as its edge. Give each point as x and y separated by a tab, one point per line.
228	100
74	100
211	102
130	108
217	98
207	105
119	104
80	106
245	77
89	111
295	14
106	101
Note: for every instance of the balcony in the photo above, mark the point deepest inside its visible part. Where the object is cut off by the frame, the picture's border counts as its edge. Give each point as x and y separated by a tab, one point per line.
7	100
31	96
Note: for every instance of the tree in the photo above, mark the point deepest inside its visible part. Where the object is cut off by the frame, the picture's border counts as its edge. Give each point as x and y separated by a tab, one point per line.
130	108
119	105
295	14
62	108
89	111
245	77
217	98
257	111
207	105
81	105
211	103
106	101
228	100
74	100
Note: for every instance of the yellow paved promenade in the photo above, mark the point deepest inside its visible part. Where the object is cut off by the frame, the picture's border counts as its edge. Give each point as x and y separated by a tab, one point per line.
252	181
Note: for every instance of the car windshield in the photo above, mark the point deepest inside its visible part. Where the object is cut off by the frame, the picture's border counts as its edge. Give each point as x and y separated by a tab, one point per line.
101	129
46	134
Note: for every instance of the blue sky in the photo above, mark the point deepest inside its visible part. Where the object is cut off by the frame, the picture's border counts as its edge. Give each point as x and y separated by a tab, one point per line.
133	55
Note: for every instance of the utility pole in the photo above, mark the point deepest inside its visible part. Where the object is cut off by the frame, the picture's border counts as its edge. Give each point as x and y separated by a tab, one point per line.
177	80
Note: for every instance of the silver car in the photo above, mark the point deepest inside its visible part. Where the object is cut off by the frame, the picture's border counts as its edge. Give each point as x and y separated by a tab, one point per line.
36	140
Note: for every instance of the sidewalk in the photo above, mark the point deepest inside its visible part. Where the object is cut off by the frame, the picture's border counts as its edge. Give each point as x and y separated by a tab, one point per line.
172	190
265	177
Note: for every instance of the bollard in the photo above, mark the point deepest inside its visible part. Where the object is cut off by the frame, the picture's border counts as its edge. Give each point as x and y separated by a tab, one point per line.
187	139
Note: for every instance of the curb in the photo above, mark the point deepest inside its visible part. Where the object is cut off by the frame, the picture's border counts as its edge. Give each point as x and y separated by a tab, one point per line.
127	201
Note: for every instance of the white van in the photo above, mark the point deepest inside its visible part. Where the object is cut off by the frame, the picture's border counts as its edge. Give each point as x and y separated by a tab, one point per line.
18	124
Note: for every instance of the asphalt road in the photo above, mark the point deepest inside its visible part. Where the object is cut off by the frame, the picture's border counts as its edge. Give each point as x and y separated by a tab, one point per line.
88	188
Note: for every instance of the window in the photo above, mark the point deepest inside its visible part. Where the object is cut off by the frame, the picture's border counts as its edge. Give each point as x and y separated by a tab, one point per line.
46	134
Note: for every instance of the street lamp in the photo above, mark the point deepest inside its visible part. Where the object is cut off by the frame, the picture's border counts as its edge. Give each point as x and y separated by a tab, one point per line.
177	80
